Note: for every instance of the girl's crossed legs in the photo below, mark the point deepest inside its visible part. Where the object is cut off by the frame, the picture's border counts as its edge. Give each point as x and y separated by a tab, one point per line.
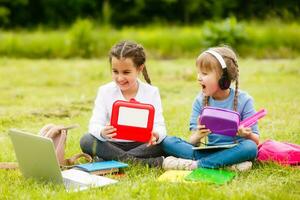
245	150
124	151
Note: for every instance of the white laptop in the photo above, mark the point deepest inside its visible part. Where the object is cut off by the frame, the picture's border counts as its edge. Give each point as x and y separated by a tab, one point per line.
37	159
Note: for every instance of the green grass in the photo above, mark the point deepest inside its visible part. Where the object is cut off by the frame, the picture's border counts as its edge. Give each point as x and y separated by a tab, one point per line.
36	92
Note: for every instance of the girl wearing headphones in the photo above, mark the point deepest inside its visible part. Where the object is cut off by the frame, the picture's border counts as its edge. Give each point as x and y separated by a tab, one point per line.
217	67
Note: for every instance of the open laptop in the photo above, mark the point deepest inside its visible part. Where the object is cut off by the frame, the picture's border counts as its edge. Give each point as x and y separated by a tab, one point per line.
37	159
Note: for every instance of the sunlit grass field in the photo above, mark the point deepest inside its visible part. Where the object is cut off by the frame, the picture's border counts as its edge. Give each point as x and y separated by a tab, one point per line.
36	92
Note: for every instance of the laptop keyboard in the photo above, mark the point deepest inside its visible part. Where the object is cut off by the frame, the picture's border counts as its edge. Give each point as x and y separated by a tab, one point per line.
71	184
78	180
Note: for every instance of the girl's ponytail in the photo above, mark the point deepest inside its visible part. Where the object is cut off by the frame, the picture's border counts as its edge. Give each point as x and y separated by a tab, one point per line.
146	76
236	92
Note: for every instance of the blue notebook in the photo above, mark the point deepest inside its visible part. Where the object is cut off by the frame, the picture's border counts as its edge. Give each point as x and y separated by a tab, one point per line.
103	165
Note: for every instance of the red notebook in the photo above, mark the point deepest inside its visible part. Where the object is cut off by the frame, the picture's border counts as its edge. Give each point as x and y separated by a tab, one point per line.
133	120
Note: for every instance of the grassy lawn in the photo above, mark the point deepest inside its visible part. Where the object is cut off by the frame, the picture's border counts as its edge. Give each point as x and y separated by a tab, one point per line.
36	92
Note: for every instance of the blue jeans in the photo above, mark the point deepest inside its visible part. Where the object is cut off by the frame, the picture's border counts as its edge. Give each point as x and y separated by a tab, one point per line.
245	150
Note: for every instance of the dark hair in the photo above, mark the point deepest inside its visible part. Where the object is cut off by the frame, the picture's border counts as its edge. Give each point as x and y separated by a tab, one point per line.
128	49
208	62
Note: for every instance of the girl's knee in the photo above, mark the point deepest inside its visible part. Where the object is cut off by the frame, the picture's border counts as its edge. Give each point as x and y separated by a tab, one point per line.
86	143
169	140
250	147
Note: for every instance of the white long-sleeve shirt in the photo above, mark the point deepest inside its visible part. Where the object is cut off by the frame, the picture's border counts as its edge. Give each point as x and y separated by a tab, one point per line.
109	93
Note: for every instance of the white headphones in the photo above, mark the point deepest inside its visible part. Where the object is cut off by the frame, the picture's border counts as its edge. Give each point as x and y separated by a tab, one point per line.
224	81
218	57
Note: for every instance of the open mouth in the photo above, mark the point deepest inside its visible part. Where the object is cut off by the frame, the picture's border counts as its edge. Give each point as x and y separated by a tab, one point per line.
203	86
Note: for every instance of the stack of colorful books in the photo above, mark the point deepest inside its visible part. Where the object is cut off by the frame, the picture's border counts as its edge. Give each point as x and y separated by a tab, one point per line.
216	176
103	167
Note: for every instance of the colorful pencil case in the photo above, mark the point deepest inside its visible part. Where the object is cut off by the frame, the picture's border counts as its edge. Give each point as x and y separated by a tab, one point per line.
226	122
133	120
254	118
220	121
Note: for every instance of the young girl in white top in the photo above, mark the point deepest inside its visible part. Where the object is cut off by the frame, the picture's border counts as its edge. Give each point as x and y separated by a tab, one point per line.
127	61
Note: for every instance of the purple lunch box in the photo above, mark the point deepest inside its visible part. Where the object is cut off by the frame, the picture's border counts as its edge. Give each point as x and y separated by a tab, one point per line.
220	121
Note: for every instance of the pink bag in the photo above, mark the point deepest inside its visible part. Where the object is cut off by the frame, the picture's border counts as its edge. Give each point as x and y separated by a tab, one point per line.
58	134
281	152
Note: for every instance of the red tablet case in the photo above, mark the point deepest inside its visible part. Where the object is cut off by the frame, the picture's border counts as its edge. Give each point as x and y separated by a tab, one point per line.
125	117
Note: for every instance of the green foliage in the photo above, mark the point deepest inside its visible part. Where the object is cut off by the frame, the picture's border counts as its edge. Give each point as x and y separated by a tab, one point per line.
272	39
228	32
40	91
82	41
54	13
35	44
4	15
106	12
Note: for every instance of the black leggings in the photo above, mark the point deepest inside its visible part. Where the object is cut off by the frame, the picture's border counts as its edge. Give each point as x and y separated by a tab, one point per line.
123	151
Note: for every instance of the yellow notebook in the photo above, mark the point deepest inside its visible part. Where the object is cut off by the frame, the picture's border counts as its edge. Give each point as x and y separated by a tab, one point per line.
174	176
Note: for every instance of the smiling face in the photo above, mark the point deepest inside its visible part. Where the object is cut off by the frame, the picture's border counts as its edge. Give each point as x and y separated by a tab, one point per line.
125	74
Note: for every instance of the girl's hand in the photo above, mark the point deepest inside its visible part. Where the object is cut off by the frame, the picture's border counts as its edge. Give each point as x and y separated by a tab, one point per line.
244	131
153	140
108	132
198	134
51	130
202	131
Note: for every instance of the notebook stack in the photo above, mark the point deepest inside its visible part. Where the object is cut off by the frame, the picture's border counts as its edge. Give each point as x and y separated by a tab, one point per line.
103	167
215	176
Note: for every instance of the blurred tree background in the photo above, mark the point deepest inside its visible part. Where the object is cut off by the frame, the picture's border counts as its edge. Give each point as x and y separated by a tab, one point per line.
54	13
167	28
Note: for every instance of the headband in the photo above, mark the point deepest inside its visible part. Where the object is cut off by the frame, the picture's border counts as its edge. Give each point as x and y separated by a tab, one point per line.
218	57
